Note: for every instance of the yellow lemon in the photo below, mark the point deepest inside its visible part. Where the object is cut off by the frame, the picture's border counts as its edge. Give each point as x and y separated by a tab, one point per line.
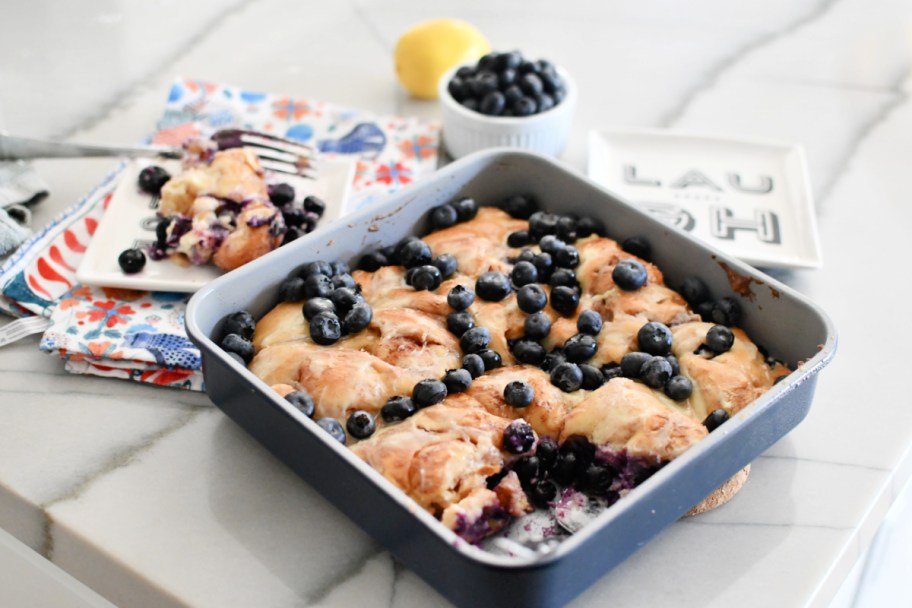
428	49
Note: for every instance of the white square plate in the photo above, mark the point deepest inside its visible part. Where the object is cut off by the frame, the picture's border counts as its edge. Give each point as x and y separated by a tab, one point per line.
750	199
130	221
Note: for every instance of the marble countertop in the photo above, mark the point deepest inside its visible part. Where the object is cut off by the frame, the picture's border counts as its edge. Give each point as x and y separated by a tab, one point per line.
152	497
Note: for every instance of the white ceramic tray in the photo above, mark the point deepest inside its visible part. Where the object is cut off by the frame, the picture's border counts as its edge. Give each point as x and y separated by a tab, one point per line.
751	199
130	221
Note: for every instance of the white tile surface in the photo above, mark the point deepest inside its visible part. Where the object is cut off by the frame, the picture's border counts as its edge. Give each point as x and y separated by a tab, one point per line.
153	498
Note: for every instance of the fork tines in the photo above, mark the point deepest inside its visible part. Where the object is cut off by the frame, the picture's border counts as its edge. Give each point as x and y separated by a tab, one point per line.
275	153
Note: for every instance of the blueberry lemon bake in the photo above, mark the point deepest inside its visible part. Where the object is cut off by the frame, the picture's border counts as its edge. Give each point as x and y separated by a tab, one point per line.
507	357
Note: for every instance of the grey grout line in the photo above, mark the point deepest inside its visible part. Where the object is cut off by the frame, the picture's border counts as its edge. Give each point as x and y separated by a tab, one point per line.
758	524
125	97
828	462
353	570
115	462
723	66
862	134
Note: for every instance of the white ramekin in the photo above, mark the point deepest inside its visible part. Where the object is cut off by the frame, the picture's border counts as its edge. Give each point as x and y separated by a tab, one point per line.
466	131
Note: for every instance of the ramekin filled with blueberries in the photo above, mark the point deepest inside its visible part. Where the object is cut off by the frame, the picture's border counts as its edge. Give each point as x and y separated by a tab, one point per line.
507	100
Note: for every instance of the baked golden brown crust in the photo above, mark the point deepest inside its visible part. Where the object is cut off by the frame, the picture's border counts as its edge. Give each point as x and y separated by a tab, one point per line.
445	455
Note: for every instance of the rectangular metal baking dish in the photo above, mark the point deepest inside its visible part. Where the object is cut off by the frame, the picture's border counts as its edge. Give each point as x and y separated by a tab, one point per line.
785	323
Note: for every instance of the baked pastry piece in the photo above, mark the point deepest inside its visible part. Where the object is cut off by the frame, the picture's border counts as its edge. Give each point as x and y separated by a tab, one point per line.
451	456
219	209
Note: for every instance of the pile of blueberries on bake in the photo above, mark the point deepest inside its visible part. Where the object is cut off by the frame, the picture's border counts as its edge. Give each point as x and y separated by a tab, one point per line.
507	84
299	219
333	307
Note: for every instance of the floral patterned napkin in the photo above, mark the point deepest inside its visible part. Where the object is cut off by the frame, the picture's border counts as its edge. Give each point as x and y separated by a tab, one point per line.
140	335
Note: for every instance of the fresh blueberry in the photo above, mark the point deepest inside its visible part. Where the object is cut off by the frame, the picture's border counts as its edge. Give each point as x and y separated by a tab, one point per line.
587	226
357	318
526	255
694	290
527	469
654	338
524	106
339	267
612	370
512	94
493	286
302	401
131	261
293	217
544	263
719	339
458	88
656	372
592	377
520	206
638	246
524	273
465	72
429	392
475	339
483	83
234	343
291	289
546	452
715	418
675	365
152	178
493	103
361	424
397	408
373	261
705	309
474	364
542	493
291	234
567	376
568	257
629	274
564	471
518	437
552	360
519	238
508	61
413	253
491	359
457	380
314	204
726	311
345	298
589	322
446	263
344	280
632	363
531	84
315	306
565	277
310	221
443	216
460	297
679	388
531	298
545	102
518	394
325	328
316	267
240	323
281	195
529	352
565	300
466	208
333	427
597	478
537	326
460	322
550	243
580	347
566	229
318	286
426	278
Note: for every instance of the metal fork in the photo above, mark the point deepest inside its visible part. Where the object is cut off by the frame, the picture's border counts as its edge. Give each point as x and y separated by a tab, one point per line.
276	154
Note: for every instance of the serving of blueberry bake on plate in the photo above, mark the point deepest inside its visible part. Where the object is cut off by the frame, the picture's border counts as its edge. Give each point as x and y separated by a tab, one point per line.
507	363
